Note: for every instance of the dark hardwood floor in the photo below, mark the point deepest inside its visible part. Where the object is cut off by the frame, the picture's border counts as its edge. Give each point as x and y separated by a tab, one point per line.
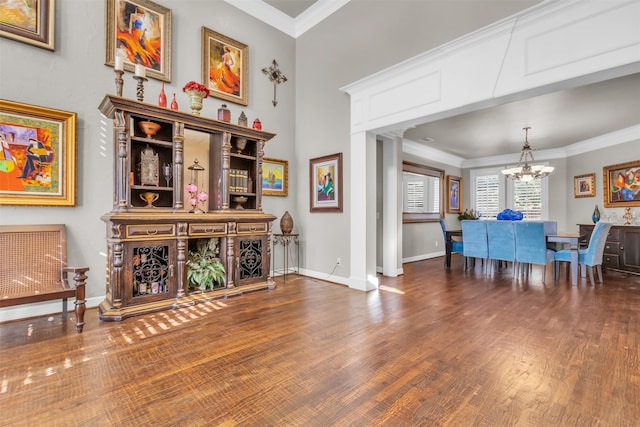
430	348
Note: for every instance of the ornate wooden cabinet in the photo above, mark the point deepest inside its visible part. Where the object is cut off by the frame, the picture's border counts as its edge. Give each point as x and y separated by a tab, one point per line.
180	178
622	249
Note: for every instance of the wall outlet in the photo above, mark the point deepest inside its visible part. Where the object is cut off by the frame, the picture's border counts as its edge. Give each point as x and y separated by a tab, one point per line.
338	261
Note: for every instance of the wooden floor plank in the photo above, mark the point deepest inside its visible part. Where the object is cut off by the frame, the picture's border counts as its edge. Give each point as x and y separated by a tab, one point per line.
433	347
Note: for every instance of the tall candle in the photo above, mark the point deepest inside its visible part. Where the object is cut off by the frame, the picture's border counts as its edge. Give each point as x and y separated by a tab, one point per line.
140	70
119	63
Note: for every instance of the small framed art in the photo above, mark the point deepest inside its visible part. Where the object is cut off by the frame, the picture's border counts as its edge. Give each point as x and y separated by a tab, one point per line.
225	67
140	32
584	185
38	156
454	193
275	177
30	22
325	179
622	184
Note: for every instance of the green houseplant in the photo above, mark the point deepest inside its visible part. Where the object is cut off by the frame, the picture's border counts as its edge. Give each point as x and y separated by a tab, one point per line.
204	269
468	214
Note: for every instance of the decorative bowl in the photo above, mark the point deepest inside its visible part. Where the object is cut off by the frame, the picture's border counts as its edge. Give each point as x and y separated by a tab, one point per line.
240	200
149	128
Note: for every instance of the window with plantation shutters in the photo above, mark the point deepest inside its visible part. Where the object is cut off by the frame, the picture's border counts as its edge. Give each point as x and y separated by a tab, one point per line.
415	196
527	198
491	193
487	195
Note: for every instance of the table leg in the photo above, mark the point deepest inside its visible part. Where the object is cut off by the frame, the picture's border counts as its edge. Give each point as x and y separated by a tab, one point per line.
574	263
447	256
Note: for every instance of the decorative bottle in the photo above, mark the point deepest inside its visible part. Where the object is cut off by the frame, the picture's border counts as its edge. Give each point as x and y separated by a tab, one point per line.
224	114
162	98
174	103
596	215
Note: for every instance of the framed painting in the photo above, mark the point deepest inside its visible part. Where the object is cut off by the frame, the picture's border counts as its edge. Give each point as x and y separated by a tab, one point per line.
30	22
139	31
225	67
584	185
454	193
275	177
621	184
38	157
325	178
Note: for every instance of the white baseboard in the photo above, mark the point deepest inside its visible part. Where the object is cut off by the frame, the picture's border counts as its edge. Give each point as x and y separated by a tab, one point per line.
423	257
324	276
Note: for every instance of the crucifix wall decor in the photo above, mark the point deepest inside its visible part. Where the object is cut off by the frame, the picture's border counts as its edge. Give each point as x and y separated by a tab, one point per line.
276	76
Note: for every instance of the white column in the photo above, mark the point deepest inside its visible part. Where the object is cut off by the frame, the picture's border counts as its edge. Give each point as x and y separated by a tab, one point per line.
362	167
392	206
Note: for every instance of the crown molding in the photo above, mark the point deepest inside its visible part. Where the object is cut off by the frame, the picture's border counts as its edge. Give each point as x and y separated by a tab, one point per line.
293	27
611	139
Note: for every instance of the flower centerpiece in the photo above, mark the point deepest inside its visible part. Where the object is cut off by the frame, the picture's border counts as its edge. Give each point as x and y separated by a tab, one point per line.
196	92
196	197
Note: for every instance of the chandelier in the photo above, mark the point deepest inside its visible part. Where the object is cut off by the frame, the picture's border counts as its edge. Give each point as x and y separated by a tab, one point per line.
524	171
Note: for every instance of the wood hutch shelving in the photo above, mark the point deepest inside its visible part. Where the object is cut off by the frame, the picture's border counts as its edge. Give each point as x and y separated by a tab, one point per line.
150	230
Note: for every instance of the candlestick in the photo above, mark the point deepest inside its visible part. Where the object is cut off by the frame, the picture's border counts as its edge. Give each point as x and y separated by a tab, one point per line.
140	87
141	71
119	66
119	81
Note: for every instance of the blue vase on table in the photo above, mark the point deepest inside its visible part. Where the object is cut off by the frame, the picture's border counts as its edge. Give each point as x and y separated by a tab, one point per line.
596	215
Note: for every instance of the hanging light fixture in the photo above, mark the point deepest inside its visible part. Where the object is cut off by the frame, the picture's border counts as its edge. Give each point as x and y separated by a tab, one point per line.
524	171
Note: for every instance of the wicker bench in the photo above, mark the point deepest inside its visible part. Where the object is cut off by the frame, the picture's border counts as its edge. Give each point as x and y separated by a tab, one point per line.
33	268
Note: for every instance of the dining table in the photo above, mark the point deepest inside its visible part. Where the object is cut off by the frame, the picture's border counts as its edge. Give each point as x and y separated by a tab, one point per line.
573	240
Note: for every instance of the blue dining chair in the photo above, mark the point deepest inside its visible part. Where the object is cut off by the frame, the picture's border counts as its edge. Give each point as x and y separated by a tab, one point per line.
531	246
501	242
592	255
456	245
474	236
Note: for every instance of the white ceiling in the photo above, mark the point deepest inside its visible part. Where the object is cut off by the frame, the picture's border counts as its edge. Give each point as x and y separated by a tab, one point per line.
557	119
293	8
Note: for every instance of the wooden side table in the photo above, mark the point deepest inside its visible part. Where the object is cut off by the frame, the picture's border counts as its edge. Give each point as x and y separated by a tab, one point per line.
286	240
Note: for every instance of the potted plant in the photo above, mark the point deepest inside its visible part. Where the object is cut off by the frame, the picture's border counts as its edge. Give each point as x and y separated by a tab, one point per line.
467	214
204	269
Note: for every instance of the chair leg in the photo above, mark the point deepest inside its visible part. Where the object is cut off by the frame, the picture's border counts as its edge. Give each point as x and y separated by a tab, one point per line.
590	274
599	270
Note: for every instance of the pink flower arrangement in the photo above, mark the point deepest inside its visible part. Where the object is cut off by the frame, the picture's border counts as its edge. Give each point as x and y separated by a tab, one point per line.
203	197
192	188
197	87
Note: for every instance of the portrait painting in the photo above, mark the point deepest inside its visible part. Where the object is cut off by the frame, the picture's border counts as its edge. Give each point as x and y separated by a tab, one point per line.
454	189
584	185
28	21
140	32
326	183
225	65
275	177
622	184
37	160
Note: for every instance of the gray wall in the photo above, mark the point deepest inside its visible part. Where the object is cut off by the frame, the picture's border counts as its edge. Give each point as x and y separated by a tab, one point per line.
361	38
74	78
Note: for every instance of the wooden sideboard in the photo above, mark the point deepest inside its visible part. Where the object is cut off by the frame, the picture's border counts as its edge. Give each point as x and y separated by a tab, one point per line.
622	250
158	221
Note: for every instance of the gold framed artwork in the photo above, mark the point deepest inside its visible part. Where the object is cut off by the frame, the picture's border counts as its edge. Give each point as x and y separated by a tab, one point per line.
621	185
454	193
584	185
31	22
326	183
38	157
275	177
140	32
225	67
